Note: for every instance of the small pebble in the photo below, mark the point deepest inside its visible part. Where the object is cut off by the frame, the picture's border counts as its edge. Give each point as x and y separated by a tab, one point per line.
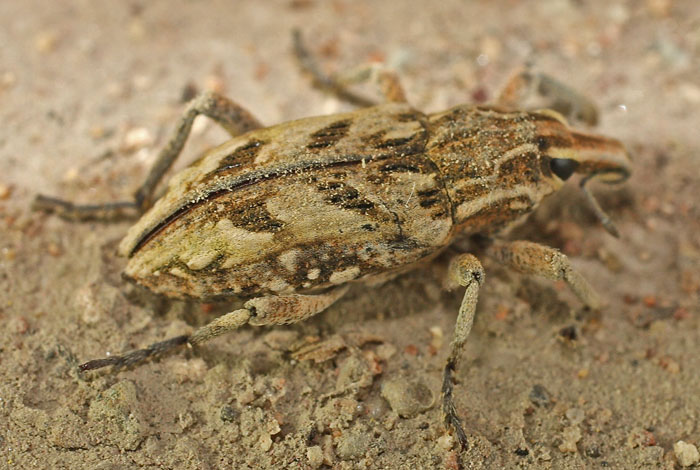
265	442
5	191
46	41
136	139
690	92
136	29
19	325
407	398
437	336
669	364
686	454
8	253
142	81
71	175
385	351
215	82
186	420
570	436
97	132
7	80
445	442
649	301
659	8
492	47
539	396
353	371
352	445
575	416
315	456
54	249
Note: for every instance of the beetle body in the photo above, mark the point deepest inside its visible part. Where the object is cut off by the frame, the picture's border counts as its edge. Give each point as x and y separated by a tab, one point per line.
313	203
285	216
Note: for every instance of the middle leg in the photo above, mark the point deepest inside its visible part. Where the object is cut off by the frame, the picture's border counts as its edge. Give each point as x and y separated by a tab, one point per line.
465	270
271	310
386	79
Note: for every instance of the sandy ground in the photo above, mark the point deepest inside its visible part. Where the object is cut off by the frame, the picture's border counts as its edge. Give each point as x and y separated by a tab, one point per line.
89	91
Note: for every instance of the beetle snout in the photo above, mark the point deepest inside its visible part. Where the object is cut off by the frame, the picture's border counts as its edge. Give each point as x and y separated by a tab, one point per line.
601	157
591	155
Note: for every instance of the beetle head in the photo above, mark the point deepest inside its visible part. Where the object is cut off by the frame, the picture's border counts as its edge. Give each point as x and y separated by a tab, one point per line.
570	151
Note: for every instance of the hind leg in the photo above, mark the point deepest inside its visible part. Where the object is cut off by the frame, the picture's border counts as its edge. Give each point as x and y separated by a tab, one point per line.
229	115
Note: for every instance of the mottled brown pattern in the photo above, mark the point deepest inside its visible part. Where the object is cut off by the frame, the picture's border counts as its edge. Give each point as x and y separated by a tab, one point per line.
243	155
525	168
404	145
327	200
494	218
330	135
255	217
345	197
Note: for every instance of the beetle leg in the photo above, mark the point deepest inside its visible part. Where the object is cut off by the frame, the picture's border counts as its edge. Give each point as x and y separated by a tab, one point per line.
465	270
231	116
526	83
271	310
68	210
533	258
386	79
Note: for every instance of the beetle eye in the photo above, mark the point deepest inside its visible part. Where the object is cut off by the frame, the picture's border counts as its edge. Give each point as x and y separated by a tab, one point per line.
563	167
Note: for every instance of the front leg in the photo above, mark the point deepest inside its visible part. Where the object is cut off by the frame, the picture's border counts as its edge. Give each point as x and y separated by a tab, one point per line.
527	83
533	258
465	270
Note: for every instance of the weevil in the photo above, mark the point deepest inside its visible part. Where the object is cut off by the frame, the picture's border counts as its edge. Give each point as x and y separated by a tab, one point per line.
289	216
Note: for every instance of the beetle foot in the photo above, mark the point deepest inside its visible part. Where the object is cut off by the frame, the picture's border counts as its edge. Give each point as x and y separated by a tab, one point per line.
136	356
449	411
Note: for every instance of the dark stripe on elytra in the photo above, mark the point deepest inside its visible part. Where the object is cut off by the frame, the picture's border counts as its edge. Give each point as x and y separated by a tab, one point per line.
345	197
393	167
409	117
390	143
456	137
329	135
250	179
400	145
243	154
429	197
255	217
